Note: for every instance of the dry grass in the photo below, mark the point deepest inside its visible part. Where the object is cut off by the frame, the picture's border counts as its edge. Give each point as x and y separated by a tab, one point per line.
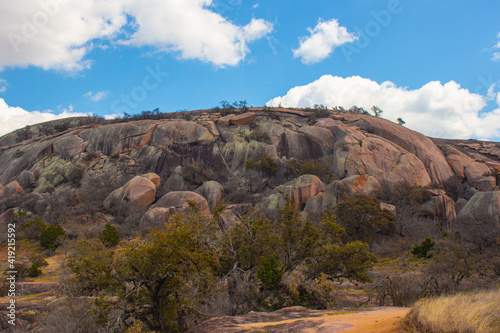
463	313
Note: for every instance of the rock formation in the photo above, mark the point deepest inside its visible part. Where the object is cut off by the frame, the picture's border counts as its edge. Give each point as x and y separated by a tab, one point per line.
205	157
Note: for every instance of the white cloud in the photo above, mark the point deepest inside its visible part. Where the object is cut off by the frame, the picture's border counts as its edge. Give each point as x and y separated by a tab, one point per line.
256	5
325	37
96	97
112	116
12	118
190	29
60	34
3	85
435	109
496	55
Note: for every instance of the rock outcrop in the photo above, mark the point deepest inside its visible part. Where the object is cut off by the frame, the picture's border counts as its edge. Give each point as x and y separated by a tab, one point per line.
136	195
301	189
415	143
27	180
203	152
482	212
10	190
69	146
213	192
362	184
179	200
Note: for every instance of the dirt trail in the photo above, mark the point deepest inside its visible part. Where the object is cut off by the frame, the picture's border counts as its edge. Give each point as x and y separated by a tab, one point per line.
381	320
297	319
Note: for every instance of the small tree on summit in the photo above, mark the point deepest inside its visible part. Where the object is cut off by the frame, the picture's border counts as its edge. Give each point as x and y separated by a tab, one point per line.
377	111
401	121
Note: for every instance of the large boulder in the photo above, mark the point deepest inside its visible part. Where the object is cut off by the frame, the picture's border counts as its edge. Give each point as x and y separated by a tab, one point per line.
154	178
482	208
238	120
179	200
380	158
320	134
479	175
243	119
26	179
213	192
158	216
176	182
415	143
11	189
457	160
181	132
137	194
302	189
35	203
327	200
362	184
445	211
481	215
69	146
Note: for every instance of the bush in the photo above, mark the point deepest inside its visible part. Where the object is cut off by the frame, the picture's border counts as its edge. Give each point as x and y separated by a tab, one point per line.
296	168
109	236
34	271
33	228
266	165
364	219
38	260
269	273
61	127
401	289
51	237
425	249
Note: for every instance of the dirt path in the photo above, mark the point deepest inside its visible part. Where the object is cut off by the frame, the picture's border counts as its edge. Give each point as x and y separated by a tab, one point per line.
297	319
380	320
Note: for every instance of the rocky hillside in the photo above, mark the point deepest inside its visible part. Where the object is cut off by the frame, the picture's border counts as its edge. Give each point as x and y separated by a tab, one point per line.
154	167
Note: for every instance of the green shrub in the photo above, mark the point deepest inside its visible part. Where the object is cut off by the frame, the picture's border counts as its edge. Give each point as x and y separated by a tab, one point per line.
50	237
109	236
425	249
269	273
33	228
266	165
34	271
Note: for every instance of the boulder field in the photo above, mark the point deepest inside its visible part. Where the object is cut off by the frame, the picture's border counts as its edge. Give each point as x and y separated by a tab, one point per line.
157	167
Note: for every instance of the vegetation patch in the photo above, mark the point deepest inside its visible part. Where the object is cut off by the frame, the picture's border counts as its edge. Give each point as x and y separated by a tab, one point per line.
462	313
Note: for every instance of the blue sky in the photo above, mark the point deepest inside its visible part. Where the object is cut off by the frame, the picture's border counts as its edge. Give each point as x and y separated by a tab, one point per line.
434	63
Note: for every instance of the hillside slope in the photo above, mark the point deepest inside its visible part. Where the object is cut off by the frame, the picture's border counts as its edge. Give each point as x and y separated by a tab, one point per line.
222	155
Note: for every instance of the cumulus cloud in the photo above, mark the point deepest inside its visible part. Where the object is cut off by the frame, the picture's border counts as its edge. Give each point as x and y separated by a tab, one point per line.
96	97
190	29
59	34
435	109
496	55
324	38
12	118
